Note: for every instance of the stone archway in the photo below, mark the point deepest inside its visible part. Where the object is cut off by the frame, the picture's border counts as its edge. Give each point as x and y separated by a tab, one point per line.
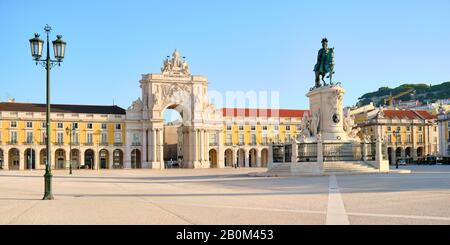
1	159
103	159
43	157
408	154
240	158
391	155
14	159
60	159
264	158
117	158
229	159
75	155
136	159
420	152
213	158
89	159
175	88
30	158
252	157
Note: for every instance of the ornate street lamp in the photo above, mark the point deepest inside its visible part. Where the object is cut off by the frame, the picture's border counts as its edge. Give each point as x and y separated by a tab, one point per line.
59	46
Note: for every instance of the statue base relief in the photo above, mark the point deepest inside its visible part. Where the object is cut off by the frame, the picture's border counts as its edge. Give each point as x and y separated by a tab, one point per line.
326	110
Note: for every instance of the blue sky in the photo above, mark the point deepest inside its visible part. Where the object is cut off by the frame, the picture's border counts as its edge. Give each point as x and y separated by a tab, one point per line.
238	45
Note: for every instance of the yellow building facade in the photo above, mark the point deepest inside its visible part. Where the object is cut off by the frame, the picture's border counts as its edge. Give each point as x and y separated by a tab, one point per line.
98	136
409	135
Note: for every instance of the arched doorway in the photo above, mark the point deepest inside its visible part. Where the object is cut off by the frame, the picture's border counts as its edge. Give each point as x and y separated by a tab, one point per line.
104	159
75	158
43	157
173	121
408	155
60	159
1	159
229	158
264	158
398	154
252	155
136	159
14	159
213	158
30	159
89	159
117	159
241	158
390	155
420	152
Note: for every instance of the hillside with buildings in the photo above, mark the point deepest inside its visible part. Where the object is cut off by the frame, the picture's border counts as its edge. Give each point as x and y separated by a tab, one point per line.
412	93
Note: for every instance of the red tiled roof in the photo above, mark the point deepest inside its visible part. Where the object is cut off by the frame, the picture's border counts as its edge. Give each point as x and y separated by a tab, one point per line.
409	114
33	107
241	112
426	115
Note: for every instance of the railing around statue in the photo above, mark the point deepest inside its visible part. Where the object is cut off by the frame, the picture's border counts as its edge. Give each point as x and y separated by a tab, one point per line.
307	152
370	151
278	154
384	151
336	152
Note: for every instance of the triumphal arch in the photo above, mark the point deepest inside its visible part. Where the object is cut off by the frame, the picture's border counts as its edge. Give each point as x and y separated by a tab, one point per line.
174	88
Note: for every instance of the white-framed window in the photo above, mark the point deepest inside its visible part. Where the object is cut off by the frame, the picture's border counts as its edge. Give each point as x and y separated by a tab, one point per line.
29	124
264	138
89	138
104	138
89	125
287	138
213	138
288	127
75	125
13	124
43	137
104	126
13	137
241	139
59	125
253	128
408	139
136	138
420	138
29	137
264	128
118	137
43	124
60	137
253	139
398	129
389	138
389	128
276	139
228	139
118	126
420	128
228	127
241	127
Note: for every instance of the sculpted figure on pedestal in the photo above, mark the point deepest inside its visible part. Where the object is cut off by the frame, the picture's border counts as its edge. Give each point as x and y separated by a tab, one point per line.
325	64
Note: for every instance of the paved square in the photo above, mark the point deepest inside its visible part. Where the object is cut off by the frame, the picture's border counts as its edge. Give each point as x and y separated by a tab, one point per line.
225	196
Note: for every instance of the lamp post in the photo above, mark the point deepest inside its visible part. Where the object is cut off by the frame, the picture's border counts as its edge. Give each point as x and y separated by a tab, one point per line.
59	46
70	132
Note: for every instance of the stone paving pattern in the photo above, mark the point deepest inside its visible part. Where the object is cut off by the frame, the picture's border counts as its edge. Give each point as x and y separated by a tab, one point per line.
225	196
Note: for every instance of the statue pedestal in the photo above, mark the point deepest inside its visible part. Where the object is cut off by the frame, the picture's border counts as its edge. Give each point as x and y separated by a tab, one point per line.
326	106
